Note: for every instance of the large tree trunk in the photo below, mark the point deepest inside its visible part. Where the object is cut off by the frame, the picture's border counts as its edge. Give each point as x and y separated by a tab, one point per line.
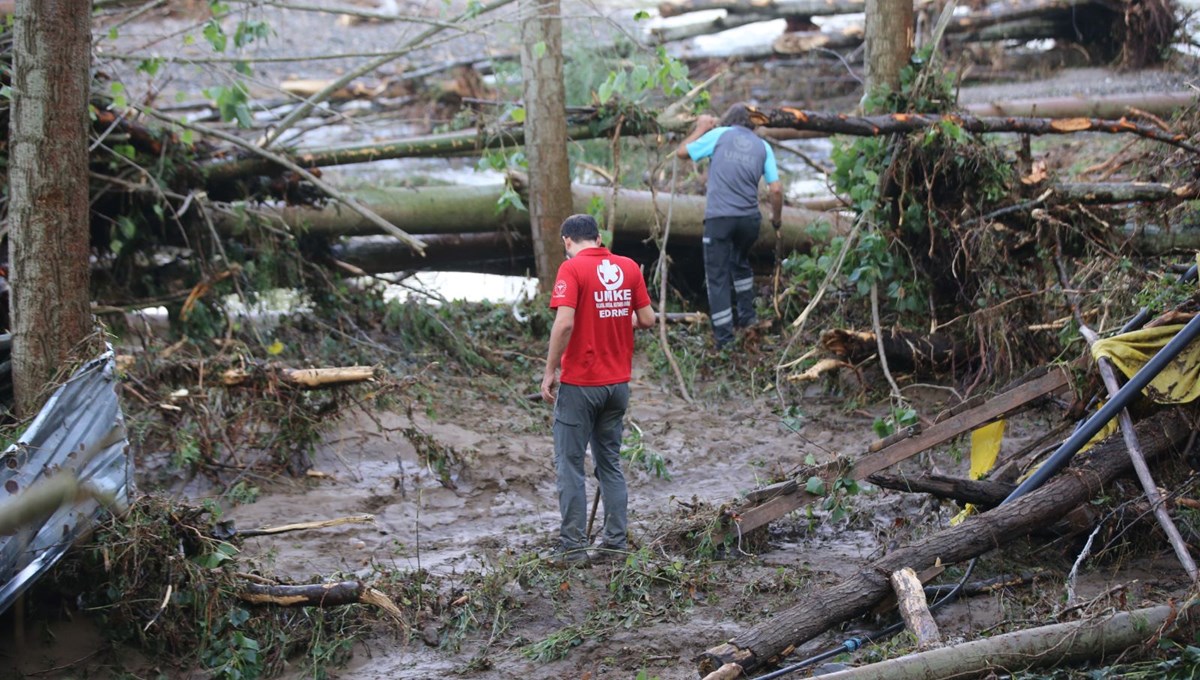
48	191
889	41
546	133
820	610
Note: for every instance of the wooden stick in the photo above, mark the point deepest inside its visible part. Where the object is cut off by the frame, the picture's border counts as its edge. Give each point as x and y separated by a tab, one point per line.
304	526
319	595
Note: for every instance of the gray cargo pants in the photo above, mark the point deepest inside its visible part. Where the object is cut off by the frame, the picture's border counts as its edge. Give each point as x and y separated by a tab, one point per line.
593	415
727	273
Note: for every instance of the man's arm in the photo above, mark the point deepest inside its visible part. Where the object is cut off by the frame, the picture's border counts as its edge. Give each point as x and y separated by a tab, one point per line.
776	188
560	334
644	317
703	124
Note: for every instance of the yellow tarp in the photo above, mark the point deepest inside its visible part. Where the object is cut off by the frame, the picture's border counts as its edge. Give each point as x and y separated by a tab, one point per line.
985	446
1178	383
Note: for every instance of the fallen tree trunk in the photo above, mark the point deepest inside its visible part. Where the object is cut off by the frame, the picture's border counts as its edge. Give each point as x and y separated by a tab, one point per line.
1045	646
822	609
905	351
466	209
903	123
981	492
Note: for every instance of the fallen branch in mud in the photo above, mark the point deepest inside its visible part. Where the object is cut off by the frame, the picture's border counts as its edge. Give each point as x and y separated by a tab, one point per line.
981	492
819	610
319	595
1045	646
902	123
304	378
305	526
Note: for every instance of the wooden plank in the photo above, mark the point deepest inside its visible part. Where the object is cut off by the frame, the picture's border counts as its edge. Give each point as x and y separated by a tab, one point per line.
755	516
960	423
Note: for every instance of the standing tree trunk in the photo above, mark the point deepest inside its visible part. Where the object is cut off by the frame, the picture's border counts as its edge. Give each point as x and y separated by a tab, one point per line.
48	185
889	42
545	133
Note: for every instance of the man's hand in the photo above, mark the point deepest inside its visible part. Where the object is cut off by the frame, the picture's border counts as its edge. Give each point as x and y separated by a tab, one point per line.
548	384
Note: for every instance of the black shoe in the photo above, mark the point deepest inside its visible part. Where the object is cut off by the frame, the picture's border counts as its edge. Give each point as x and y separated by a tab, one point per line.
575	558
607	554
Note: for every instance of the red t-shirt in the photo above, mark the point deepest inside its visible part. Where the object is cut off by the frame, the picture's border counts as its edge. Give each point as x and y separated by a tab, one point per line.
605	290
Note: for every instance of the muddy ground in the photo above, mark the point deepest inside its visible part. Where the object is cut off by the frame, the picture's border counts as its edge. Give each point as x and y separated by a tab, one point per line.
501	508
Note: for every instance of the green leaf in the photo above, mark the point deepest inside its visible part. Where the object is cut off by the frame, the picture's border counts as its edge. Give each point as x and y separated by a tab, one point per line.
641	15
127	227
112	33
815	486
187	137
125	150
518	115
539	49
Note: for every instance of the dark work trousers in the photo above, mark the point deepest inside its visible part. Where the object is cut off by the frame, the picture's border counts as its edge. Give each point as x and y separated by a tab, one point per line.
727	242
594	415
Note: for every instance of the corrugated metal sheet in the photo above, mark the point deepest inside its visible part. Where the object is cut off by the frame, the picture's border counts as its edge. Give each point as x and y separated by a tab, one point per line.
80	429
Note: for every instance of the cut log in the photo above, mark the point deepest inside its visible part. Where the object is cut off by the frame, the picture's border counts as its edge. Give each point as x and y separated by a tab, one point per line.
807	8
1103	637
666	34
903	123
826	607
906	351
982	492
910	597
304	378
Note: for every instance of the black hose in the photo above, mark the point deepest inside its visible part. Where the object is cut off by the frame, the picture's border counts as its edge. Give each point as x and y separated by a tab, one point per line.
1084	433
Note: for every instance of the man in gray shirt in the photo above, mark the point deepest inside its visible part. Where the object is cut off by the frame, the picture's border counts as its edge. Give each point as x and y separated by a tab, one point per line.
731	215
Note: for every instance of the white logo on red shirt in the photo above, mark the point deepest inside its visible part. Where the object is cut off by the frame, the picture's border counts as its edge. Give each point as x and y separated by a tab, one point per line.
560	289
611	276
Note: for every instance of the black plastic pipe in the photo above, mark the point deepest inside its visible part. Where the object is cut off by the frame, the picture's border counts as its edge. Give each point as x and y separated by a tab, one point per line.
1119	401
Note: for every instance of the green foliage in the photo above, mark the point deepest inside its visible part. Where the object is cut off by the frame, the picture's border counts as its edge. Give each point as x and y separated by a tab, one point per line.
634	450
899	418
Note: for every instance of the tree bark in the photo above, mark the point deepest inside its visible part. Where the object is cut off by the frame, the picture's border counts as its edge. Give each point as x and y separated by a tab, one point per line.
906	351
318	595
546	134
984	493
48	184
888	43
910	598
1045	646
472	209
808	8
875	126
819	610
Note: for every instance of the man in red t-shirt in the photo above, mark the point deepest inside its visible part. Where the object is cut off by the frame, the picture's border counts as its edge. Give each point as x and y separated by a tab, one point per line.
598	298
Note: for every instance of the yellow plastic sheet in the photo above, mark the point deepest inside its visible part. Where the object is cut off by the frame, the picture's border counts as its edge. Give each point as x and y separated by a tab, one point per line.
1178	383
985	446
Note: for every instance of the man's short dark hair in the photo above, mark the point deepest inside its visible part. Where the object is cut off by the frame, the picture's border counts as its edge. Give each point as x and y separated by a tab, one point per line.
737	115
581	228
